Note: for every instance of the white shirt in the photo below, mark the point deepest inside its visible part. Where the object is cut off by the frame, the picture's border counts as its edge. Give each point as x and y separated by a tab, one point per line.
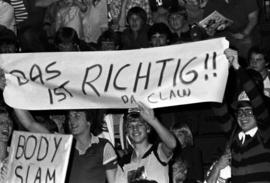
242	135
7	17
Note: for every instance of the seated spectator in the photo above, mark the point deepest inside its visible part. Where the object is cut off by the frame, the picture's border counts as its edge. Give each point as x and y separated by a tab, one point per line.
135	36
7	17
160	10
66	39
8	41
258	62
159	35
147	161
120	8
109	40
188	152
178	24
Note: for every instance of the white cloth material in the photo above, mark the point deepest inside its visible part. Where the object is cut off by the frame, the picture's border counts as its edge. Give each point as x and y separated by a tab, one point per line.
7	17
266	83
242	135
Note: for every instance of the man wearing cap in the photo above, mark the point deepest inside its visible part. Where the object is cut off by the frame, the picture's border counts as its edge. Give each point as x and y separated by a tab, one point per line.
250	144
147	161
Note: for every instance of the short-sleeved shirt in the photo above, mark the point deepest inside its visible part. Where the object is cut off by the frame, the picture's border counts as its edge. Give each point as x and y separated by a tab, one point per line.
91	166
236	10
152	166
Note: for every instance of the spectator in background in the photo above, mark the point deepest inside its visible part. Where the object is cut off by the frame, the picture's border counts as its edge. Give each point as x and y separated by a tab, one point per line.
109	40
49	24
160	10
159	34
7	17
188	152
66	39
194	9
29	23
135	36
179	26
258	62
179	171
95	20
243	30
71	15
8	41
120	8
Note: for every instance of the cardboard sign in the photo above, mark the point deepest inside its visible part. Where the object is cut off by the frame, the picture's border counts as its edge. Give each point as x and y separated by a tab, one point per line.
164	76
36	157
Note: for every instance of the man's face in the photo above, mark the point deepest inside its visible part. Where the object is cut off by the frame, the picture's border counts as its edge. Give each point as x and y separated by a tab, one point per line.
135	22
159	40
137	131
5	127
78	123
176	21
257	62
245	118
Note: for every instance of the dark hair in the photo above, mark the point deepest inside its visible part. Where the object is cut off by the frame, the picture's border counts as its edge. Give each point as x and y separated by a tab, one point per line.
66	34
7	36
257	50
160	28
178	10
139	12
110	36
95	116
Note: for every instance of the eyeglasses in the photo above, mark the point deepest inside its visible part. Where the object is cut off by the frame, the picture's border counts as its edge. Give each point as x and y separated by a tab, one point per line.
245	112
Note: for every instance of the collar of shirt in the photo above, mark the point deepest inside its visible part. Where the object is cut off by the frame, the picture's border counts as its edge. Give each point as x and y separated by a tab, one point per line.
94	140
242	135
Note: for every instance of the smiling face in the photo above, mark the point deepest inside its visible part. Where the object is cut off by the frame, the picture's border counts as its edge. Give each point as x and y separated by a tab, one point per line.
245	118
137	131
78	123
5	127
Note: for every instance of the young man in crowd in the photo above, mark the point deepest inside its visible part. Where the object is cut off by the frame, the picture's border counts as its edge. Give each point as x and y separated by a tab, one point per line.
258	62
147	161
93	159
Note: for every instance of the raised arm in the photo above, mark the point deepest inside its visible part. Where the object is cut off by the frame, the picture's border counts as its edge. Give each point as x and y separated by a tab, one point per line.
27	120
165	135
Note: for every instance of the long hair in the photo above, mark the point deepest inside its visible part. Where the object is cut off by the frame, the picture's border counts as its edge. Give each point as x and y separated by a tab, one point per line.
183	127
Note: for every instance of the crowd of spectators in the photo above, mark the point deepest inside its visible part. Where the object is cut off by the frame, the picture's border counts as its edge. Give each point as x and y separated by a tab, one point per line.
158	147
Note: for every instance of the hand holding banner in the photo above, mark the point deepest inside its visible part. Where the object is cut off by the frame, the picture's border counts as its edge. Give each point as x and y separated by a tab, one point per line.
38	157
164	76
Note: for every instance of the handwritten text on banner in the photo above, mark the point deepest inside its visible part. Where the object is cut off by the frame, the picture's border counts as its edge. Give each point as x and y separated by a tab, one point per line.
164	76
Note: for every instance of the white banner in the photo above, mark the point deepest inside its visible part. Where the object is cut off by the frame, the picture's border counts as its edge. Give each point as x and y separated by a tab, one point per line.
164	76
36	157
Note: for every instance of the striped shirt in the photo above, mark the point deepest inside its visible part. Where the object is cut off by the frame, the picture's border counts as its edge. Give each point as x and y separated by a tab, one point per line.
251	160
20	11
